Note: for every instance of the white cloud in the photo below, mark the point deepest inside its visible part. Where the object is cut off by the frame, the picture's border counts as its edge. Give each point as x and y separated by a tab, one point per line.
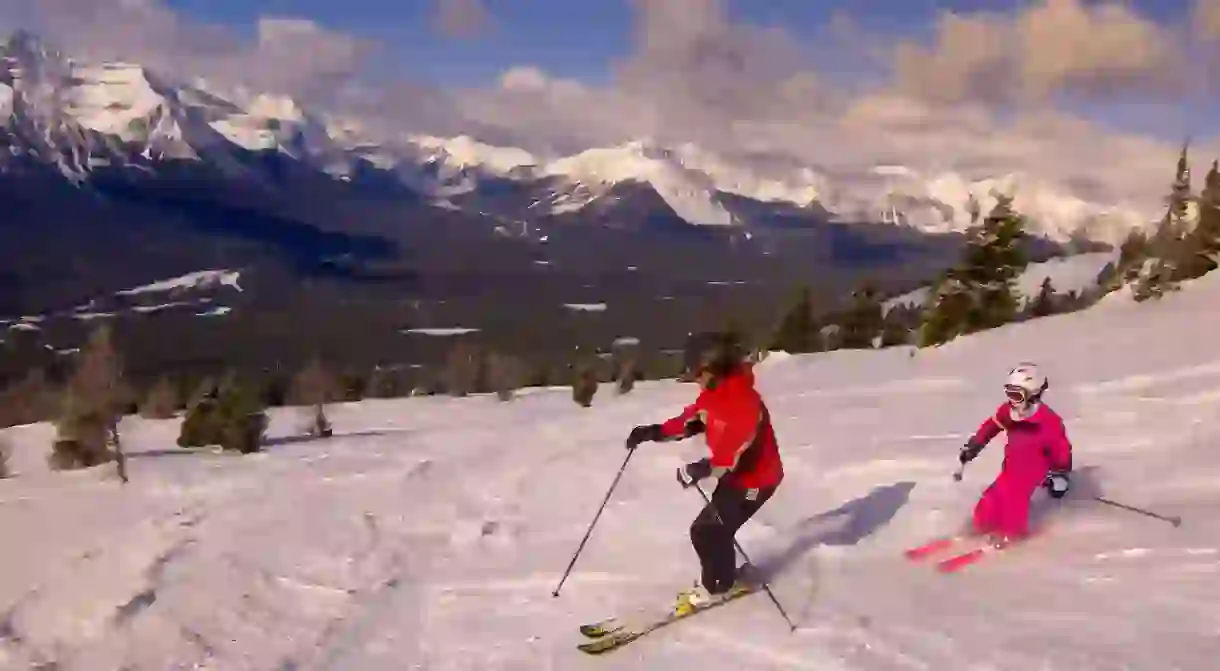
1098	51
288	55
696	75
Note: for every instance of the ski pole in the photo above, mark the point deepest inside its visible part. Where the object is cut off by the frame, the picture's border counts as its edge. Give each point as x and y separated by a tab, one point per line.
606	500
957	475
1175	521
745	556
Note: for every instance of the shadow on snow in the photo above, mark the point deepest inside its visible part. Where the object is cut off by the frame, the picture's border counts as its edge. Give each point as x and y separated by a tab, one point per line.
859	518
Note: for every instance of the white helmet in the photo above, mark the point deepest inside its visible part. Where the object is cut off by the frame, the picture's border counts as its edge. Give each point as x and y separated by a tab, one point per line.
1025	383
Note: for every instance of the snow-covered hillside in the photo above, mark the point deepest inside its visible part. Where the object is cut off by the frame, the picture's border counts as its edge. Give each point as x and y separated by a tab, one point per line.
80	116
1067	274
431	532
198	280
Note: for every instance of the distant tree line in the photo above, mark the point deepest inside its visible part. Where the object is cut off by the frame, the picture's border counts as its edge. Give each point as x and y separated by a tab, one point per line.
229	411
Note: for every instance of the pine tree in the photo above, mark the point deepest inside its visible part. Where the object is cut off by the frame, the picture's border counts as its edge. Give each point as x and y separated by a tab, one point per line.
87	427
506	374
995	262
1201	246
945	313
313	387
979	292
862	322
162	400
1044	304
799	333
1166	250
897	324
1131	257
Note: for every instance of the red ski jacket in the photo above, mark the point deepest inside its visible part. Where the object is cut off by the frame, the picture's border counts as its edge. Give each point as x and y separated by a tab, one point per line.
1036	444
738	431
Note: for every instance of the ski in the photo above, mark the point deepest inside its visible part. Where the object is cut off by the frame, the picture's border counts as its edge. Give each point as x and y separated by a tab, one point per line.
931	547
609	635
960	561
601	628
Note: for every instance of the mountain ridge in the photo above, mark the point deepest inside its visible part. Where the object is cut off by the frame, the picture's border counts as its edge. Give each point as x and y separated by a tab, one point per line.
78	116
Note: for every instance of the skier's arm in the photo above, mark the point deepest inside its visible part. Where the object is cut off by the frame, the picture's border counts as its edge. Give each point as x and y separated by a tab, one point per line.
686	424
1059	448
988	430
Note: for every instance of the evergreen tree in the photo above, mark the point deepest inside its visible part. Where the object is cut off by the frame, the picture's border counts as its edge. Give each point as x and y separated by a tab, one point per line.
862	322
1131	256
897	324
995	262
1201	246
87	426
1160	271
1044	303
313	387
978	293
798	333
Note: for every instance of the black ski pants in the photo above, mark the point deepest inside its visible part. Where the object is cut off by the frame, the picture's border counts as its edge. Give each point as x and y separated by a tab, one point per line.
714	528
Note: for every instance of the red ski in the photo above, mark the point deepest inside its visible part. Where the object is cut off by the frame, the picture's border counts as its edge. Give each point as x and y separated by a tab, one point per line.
960	561
931	547
957	562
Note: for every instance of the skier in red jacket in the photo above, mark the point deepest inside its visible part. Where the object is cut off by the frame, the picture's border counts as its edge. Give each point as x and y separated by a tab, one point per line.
744	457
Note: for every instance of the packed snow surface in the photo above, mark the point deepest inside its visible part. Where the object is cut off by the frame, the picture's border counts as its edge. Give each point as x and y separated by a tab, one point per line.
429	533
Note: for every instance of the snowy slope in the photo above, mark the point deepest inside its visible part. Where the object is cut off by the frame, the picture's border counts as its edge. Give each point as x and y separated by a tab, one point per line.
431	532
1068	273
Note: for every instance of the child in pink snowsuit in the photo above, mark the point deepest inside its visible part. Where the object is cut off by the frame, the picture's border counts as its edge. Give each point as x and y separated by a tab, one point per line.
1038	453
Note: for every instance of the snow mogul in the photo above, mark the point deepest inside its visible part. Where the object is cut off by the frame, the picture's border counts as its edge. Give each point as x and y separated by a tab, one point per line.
1038	453
744	458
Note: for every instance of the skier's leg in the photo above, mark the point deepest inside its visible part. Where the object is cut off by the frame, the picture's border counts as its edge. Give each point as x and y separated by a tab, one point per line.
703	537
1014	513
736	506
986	510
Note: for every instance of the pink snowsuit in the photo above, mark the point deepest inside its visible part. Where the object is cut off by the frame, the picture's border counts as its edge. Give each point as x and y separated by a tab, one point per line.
1036	445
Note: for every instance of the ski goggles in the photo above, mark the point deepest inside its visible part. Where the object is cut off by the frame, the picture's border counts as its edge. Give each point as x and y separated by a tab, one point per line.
1016	394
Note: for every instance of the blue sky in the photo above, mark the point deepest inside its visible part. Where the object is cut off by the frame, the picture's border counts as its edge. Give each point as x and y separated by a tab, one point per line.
577	38
581	38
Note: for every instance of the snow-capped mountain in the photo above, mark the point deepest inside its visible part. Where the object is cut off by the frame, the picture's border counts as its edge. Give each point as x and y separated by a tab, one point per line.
78	117
700	188
941	202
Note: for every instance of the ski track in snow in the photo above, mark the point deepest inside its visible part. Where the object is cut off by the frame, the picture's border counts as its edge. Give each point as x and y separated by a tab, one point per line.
429	533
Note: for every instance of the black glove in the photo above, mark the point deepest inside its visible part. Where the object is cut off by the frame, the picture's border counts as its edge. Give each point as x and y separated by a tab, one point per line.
694	427
969	452
694	472
643	434
1057	484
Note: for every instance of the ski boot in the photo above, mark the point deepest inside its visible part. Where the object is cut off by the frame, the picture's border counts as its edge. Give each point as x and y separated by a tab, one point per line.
689	600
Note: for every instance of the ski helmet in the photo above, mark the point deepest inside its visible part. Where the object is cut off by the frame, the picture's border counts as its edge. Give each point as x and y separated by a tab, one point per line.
723	354
1025	383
